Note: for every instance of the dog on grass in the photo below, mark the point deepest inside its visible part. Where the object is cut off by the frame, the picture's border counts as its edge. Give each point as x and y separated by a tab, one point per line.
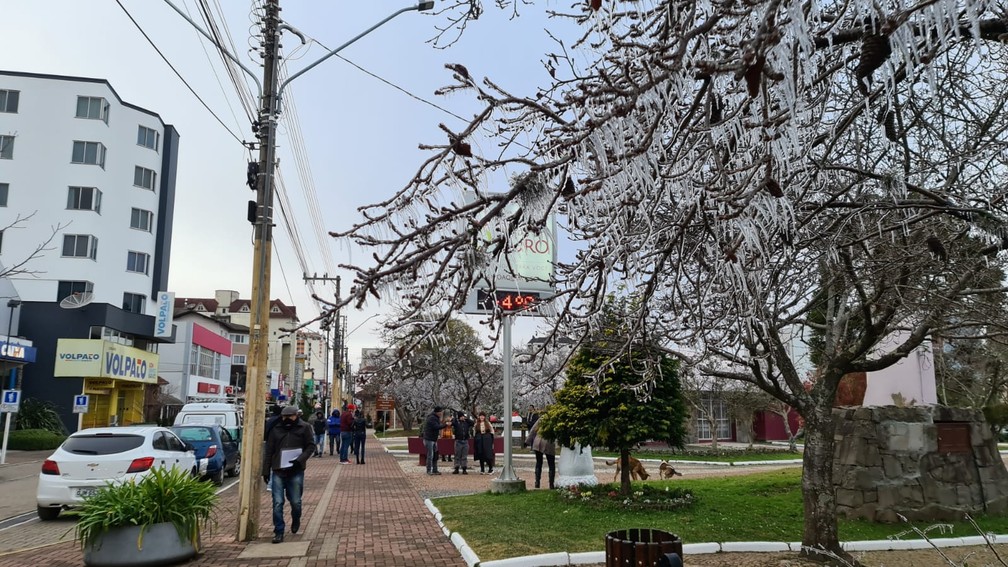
637	471
665	470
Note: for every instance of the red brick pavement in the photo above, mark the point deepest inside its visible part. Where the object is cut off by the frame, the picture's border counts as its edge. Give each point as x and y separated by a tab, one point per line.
372	517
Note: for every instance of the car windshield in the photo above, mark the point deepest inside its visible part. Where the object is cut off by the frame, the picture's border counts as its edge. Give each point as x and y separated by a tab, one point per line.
102	444
193	433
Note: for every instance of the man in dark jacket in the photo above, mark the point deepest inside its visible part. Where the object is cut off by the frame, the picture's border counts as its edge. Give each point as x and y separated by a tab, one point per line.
288	447
319	428
431	431
346	436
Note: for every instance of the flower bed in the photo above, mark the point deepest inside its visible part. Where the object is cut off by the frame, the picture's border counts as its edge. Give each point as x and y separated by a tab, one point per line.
643	497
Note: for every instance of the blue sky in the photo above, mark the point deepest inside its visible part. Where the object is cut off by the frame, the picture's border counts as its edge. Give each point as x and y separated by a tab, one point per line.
360	134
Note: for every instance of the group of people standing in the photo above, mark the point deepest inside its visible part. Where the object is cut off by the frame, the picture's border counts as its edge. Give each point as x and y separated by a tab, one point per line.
463	429
291	441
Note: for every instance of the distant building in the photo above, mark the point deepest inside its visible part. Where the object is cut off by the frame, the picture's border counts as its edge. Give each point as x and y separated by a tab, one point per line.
87	186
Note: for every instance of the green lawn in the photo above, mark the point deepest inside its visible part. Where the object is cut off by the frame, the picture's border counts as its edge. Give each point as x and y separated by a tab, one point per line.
759	507
729	456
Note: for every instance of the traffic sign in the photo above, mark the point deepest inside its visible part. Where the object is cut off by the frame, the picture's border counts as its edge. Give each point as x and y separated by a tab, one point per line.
11	401
80	404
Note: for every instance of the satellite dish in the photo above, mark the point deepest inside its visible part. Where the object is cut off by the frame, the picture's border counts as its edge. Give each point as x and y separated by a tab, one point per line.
75	300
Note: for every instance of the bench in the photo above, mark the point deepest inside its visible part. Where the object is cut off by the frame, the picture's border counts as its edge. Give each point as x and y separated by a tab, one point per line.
445	446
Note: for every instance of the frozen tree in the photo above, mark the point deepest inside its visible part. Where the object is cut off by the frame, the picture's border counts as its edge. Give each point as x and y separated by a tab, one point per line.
740	166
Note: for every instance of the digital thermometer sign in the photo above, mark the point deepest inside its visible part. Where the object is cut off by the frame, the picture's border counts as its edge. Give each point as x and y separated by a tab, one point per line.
508	301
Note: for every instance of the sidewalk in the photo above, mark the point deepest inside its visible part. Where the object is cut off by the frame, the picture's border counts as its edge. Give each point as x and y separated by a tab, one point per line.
360	515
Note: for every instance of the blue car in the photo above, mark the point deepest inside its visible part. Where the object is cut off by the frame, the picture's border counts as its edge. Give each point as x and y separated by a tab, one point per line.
215	444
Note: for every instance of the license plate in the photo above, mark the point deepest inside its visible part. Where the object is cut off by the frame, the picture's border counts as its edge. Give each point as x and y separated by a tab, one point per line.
86	492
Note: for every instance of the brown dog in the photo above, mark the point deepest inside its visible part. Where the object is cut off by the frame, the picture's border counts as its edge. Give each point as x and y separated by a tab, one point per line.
665	470
637	471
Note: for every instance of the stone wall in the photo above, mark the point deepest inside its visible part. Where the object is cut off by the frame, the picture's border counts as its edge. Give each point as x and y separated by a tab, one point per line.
926	463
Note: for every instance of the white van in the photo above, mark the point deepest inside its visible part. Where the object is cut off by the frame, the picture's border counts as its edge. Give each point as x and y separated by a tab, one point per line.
228	416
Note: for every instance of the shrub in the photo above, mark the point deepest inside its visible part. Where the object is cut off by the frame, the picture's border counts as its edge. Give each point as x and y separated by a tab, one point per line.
164	495
39	414
34	440
643	497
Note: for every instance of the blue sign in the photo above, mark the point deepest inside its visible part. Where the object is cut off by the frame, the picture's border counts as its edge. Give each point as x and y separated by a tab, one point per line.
80	404
11	401
21	353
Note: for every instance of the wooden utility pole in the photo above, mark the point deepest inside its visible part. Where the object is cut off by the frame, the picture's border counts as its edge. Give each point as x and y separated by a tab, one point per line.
250	491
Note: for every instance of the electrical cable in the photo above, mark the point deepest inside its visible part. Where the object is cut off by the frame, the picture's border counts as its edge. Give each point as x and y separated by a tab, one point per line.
179	75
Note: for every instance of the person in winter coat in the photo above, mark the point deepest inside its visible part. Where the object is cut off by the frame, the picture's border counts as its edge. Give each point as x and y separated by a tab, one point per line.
543	448
289	446
319	428
483	443
431	431
461	430
333	425
359	430
346	437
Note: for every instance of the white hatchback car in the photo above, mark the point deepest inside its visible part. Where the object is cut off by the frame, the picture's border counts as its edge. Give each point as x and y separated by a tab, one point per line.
93	458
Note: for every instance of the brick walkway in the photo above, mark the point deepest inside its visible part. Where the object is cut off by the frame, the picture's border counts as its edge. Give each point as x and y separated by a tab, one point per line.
354	515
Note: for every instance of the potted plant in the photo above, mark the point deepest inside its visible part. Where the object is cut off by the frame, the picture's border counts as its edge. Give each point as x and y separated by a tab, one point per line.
154	521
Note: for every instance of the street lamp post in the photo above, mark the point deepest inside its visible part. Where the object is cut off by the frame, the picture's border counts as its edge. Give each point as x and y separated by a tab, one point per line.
269	104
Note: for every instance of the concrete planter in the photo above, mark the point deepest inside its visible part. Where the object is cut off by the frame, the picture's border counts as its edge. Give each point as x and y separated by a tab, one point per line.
123	546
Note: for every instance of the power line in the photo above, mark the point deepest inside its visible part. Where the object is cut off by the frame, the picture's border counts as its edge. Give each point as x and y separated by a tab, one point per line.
179	75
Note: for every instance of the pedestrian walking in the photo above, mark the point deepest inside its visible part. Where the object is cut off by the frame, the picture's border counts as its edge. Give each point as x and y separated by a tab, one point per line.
462	431
319	428
346	437
288	448
483	443
333	425
431	432
359	430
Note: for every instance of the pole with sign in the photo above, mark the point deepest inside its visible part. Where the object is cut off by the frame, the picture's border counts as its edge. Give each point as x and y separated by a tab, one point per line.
80	404
11	402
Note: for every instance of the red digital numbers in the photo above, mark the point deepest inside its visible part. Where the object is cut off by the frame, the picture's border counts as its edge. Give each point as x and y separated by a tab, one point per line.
515	301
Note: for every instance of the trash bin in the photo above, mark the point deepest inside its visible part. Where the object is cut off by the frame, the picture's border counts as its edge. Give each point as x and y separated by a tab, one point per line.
640	547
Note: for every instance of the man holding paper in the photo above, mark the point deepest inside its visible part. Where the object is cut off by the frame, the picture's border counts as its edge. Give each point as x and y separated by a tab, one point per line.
289	445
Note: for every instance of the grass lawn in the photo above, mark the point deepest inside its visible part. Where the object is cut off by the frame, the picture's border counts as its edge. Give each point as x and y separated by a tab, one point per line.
725	457
758	507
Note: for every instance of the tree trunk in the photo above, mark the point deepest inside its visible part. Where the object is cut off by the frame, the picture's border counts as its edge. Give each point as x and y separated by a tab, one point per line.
820	528
624	459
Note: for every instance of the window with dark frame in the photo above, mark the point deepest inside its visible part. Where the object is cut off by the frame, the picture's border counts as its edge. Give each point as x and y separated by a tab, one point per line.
134	302
65	289
9	100
4	191
6	147
143	177
84	199
80	246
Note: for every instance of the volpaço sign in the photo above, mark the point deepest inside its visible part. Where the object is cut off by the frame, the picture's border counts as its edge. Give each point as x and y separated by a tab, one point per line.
103	359
165	314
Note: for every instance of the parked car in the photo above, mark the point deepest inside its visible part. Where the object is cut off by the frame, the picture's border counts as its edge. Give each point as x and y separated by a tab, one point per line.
229	416
214	444
93	458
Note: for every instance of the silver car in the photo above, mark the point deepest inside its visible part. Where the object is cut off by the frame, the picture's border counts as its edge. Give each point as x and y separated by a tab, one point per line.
93	458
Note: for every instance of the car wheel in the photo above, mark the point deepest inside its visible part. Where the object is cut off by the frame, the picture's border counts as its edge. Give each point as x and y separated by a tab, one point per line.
218	477
236	470
47	513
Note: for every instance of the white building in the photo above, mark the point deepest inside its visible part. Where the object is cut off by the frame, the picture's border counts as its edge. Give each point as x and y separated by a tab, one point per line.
87	189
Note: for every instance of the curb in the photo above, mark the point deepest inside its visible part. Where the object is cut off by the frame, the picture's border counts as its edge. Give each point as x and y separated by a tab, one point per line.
562	558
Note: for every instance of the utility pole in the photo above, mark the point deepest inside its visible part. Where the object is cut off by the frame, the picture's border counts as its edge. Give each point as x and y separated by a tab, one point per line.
250	491
335	317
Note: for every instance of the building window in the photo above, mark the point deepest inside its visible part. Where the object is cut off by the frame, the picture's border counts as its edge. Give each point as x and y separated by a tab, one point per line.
299	348
137	262
91	153
239	339
84	199
143	177
141	219
134	302
204	362
6	147
4	190
93	108
713	408
148	137
238	359
80	246
9	100
67	288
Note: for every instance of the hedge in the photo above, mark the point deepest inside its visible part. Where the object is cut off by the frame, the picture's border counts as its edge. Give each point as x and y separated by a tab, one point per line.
34	440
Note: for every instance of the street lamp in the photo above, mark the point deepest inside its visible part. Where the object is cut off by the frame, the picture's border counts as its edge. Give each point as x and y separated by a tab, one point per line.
269	105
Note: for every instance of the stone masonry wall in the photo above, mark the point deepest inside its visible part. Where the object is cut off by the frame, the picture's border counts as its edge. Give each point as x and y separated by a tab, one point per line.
887	462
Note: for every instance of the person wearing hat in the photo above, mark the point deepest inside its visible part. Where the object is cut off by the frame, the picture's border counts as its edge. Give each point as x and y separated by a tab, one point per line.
319	428
431	431
346	436
461	431
288	447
